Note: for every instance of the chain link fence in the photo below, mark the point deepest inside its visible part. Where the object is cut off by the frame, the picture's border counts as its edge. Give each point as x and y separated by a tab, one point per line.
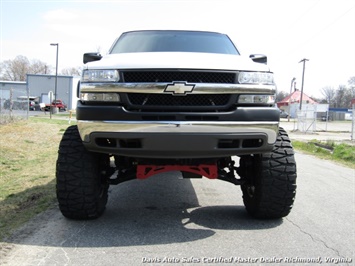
315	118
307	119
15	104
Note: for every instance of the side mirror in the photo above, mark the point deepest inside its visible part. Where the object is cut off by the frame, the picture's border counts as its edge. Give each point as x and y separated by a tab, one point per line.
89	57
259	58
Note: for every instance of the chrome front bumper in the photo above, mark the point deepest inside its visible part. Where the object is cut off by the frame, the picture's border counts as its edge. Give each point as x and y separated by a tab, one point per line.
178	139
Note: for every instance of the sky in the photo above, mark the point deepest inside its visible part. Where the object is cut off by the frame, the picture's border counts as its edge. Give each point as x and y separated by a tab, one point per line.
287	31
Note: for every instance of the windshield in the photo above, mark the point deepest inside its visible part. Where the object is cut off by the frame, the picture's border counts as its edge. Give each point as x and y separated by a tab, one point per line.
173	41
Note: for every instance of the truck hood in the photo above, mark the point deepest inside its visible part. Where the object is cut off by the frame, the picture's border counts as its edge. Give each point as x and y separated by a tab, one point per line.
177	60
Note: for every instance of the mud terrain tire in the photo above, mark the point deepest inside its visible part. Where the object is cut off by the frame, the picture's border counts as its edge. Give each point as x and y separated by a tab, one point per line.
81	188
270	188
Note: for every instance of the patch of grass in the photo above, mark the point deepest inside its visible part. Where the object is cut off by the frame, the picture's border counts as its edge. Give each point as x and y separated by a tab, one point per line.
28	157
345	152
56	120
8	118
20	206
342	153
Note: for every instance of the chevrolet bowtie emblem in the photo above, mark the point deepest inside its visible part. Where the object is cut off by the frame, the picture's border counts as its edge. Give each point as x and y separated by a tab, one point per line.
179	88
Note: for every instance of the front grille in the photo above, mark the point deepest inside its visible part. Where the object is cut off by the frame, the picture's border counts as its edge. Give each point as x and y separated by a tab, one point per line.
170	76
168	100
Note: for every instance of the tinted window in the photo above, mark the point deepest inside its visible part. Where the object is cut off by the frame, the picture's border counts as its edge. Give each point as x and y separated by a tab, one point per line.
173	41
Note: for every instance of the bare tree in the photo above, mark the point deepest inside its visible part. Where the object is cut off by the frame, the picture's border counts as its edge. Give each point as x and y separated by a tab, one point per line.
71	71
329	94
351	83
98	49
39	67
15	70
343	97
18	68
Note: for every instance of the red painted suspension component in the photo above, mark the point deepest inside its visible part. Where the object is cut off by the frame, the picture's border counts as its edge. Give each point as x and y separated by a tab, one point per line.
207	170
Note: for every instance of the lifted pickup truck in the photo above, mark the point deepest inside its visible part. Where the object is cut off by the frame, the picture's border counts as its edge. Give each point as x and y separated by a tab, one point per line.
176	101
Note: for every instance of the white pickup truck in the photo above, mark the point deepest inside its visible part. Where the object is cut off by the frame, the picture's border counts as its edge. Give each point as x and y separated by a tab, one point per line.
176	101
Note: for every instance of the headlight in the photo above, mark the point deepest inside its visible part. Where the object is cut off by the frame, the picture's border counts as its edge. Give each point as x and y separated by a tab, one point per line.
99	97
266	99
100	75
255	78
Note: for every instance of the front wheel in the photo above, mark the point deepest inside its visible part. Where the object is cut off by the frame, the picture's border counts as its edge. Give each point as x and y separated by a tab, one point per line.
82	190
270	180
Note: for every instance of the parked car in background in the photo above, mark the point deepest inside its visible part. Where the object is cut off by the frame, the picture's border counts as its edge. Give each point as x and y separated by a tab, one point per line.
22	103
58	103
283	114
34	106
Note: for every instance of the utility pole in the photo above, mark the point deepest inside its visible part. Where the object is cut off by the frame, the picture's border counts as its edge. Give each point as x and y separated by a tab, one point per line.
292	82
289	99
304	67
56	76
